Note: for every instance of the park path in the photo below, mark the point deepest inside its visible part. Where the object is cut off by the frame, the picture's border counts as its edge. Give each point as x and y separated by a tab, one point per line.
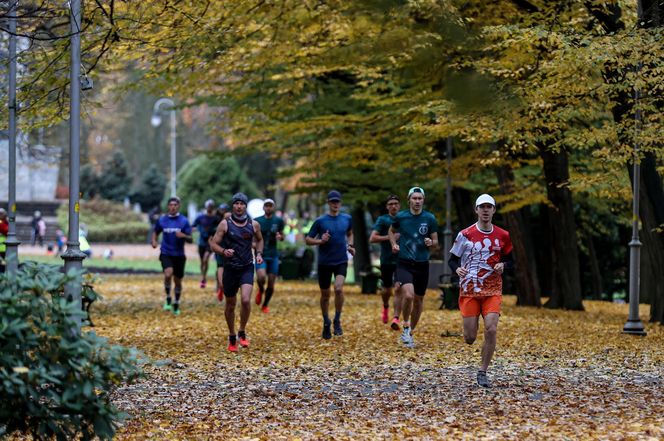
557	374
129	251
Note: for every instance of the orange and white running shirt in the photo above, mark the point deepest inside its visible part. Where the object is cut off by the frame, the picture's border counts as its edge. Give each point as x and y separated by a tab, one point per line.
480	251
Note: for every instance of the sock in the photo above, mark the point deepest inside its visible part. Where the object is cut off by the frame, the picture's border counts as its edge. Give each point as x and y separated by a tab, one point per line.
167	288
326	319
337	316
178	293
268	295
232	339
242	334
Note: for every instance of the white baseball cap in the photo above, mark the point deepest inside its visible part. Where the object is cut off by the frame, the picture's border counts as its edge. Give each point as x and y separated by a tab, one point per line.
415	190
268	201
485	199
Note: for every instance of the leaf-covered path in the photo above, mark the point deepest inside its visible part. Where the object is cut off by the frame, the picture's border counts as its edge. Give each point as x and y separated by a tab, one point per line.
557	375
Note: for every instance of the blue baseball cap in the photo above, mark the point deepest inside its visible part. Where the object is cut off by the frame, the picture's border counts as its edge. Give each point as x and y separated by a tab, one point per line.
334	196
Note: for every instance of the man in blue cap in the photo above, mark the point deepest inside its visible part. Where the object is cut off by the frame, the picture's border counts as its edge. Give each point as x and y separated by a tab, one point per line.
204	224
234	240
333	233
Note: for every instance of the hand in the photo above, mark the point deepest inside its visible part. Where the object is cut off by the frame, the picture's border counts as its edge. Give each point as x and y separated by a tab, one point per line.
499	267
462	272
229	252
395	248
428	242
397	236
180	235
325	237
259	258
154	244
351	250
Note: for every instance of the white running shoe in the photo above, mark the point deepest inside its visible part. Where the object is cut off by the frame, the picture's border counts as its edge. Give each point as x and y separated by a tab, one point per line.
406	338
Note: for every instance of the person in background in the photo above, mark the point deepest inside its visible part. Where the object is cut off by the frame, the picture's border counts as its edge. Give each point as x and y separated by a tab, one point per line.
204	223
36	228
4	230
272	228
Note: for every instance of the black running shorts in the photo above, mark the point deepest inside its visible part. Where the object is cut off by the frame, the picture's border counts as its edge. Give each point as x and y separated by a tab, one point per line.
325	273
175	262
417	273
387	271
235	277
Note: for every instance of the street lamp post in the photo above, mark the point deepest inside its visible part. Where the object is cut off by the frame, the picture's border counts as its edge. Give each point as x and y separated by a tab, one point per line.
12	243
73	256
156	122
634	325
447	234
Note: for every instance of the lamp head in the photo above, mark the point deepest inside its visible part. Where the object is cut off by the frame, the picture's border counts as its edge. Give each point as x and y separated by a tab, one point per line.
155	120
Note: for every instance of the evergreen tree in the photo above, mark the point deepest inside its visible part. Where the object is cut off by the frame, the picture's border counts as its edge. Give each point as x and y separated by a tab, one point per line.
89	182
150	190
114	182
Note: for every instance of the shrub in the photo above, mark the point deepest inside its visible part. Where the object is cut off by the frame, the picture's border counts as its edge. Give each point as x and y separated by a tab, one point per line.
55	382
109	221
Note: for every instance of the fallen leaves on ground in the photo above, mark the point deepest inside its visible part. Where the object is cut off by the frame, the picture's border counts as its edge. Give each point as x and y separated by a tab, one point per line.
556	374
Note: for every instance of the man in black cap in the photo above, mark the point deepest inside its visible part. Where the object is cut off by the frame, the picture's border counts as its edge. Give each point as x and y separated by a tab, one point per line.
333	233
234	239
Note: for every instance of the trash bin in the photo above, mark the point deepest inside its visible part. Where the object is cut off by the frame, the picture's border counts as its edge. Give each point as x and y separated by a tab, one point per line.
369	283
450	295
289	268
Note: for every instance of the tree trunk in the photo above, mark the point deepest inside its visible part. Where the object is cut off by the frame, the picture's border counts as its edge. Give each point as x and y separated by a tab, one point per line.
566	274
362	259
463	203
543	252
596	285
525	274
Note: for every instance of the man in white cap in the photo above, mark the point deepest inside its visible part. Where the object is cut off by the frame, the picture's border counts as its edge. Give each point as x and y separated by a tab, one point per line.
479	256
417	232
272	228
204	224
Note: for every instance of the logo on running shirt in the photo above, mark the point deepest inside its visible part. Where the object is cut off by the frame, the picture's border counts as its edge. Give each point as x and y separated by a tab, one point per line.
424	229
171	230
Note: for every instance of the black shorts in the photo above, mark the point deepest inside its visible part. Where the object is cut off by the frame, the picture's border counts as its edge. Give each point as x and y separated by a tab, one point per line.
387	271
202	249
325	273
175	262
416	273
235	277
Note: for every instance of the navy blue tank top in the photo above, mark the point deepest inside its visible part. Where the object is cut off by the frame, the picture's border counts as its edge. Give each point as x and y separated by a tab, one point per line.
239	239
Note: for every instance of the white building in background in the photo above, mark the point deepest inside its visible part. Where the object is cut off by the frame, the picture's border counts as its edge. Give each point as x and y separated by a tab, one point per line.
37	169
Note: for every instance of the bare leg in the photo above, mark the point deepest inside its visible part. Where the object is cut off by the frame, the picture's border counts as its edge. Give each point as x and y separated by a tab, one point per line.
489	346
338	295
204	265
398	299
386	294
260	278
408	296
418	304
470	326
229	313
325	302
245	307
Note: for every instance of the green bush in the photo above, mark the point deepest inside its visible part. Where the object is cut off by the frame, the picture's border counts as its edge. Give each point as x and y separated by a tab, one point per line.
55	382
108	221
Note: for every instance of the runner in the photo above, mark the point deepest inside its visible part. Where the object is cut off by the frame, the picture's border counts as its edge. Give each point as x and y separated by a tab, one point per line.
272	228
222	213
204	223
479	256
333	234
233	239
418	232
388	259
176	231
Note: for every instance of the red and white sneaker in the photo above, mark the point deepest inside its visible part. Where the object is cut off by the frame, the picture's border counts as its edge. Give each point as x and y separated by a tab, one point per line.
220	294
385	315
395	324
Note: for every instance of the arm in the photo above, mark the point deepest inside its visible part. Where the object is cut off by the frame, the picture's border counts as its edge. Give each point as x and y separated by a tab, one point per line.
185	233
215	240
258	235
455	265
431	241
506	263
351	242
392	233
377	238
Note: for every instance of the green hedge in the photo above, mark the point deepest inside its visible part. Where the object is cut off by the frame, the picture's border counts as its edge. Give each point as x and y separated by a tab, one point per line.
108	221
55	382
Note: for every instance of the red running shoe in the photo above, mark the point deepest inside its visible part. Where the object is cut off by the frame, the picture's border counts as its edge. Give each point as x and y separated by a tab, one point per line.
203	283
244	342
395	324
220	294
265	310
232	346
385	315
259	297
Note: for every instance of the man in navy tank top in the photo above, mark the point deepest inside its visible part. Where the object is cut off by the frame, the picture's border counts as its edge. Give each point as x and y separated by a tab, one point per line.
333	233
176	231
233	240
